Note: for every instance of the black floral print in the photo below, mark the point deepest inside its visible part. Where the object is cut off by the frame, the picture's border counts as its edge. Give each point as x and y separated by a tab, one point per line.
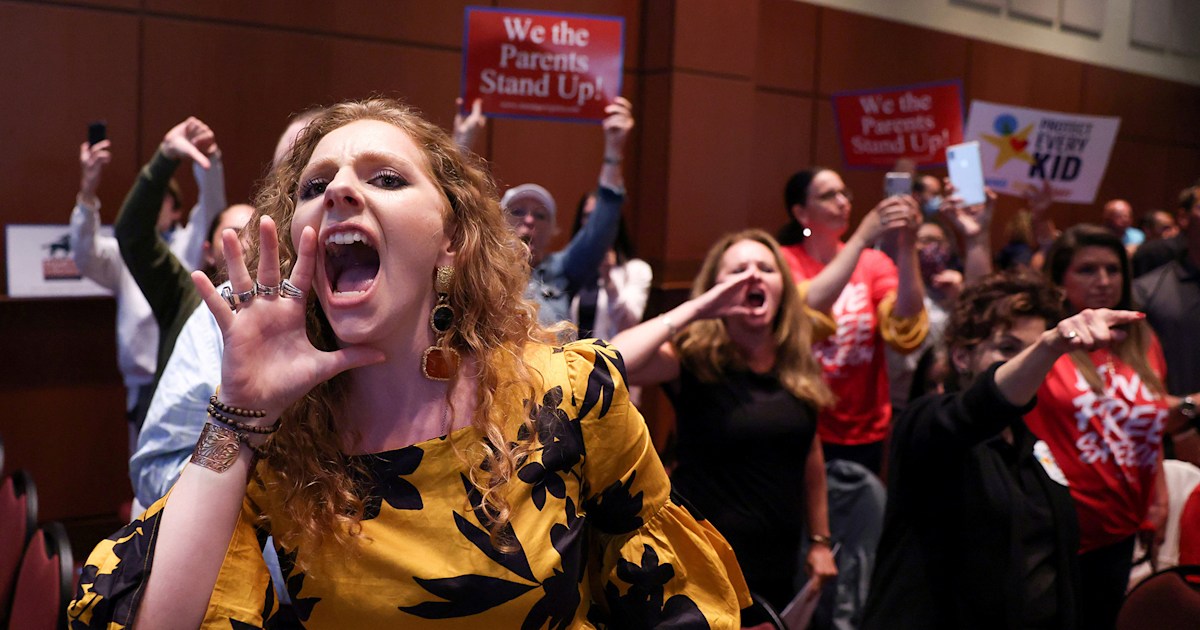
387	482
582	543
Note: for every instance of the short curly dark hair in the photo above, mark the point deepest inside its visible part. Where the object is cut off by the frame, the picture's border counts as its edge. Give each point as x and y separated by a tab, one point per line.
997	301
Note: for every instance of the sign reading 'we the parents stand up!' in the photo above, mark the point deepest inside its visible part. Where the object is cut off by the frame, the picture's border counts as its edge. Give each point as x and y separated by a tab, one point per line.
534	64
877	127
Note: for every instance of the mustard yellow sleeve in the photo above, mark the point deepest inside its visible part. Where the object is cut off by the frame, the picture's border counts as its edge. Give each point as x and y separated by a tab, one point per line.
243	592
823	325
114	577
903	334
645	538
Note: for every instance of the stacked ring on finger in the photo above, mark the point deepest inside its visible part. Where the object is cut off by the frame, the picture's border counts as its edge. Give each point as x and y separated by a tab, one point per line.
235	299
289	290
266	291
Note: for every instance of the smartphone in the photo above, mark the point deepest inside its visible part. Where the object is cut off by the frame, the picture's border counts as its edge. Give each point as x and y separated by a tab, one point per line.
97	131
897	184
966	172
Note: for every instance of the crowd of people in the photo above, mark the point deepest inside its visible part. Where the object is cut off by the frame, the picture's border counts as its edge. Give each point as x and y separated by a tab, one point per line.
374	396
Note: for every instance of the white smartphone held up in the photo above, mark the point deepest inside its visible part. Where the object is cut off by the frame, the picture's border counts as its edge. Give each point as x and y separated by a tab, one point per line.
897	184
966	172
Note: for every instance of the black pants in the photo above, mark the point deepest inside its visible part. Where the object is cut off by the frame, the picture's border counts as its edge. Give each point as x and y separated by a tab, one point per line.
868	455
1105	573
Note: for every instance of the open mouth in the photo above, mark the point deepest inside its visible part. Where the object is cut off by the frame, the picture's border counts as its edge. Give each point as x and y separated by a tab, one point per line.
756	298
351	262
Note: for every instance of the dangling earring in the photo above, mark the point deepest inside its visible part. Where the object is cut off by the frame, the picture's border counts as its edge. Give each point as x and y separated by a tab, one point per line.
439	363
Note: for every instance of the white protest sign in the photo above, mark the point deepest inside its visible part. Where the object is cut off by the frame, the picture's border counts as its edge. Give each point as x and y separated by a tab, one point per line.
1022	147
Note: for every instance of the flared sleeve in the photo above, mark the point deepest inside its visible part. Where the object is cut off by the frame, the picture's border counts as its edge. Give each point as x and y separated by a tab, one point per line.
653	562
903	334
115	576
823	326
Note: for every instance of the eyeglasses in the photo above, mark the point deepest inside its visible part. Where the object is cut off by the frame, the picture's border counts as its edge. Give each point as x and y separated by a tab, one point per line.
539	214
830	195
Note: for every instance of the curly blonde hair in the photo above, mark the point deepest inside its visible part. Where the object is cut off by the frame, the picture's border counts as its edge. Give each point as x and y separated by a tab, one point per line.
705	348
320	498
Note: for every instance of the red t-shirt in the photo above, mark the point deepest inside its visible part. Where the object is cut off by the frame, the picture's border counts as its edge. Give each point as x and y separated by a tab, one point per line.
1107	445
853	358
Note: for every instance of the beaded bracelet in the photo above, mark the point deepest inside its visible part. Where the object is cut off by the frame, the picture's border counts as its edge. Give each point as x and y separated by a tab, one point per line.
215	413
236	411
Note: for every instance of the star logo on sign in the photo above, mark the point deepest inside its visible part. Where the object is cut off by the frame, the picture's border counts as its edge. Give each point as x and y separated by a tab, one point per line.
1010	143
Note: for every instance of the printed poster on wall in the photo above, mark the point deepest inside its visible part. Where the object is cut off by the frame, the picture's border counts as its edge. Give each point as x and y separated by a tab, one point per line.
40	263
1023	147
880	126
537	64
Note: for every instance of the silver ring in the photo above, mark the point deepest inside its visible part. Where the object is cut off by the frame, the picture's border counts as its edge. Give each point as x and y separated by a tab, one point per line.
244	296
236	299
289	290
1071	334
264	290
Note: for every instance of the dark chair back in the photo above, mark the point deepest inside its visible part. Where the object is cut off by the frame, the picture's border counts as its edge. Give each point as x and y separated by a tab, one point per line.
1167	600
18	520
759	612
44	582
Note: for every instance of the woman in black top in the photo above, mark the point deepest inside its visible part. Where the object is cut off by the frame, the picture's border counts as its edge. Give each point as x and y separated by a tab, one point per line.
980	530
737	364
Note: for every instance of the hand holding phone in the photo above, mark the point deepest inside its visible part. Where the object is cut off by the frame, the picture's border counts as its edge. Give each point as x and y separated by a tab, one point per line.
97	131
965	168
897	184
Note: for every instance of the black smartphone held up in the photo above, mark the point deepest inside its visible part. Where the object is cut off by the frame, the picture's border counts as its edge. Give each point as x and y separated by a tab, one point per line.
97	131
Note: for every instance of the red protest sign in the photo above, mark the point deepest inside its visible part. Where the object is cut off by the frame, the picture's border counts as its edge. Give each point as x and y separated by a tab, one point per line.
878	127
535	64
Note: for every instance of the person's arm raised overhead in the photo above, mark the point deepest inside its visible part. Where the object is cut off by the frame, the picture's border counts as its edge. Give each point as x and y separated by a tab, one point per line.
973	224
188	244
583	255
98	259
1039	200
910	294
468	129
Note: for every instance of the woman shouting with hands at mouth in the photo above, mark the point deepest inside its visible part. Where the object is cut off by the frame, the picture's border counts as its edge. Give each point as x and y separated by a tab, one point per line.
392	414
736	362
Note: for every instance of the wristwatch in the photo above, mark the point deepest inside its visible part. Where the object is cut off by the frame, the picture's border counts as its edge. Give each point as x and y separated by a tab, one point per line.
1187	408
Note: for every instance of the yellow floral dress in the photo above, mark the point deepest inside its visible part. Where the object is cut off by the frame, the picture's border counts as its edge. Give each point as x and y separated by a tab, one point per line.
600	539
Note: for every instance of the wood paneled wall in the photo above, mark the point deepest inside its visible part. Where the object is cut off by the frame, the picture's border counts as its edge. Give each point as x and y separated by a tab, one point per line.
732	96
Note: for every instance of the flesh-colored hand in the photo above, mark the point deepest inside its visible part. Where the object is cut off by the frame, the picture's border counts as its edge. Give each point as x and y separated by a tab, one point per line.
269	363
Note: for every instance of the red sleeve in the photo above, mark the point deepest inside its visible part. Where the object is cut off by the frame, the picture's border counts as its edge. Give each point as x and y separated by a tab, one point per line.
1189	529
1155	357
